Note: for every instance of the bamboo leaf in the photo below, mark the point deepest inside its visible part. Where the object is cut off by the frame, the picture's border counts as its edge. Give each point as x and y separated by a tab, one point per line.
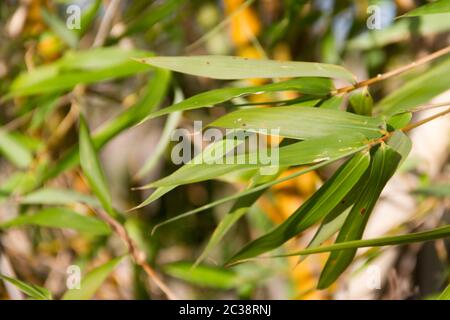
309	86
204	276
313	210
92	168
52	196
436	7
418	90
227	67
14	151
75	67
255	189
439	190
301	123
304	152
437	233
239	209
33	291
60	218
92	281
383	165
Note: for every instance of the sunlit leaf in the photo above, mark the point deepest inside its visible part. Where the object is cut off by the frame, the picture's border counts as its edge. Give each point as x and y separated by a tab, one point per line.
227	67
305	152
75	67
301	123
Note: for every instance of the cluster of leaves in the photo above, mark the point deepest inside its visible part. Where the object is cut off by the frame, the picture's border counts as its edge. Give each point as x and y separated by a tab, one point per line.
317	131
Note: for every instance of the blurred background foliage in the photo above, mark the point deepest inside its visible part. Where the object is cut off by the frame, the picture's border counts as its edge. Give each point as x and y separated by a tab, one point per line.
49	73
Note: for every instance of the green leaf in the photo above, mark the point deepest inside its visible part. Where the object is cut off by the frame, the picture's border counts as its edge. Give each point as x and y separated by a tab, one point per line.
202	275
320	204
436	7
383	165
32	290
227	67
418	91
438	233
399	120
334	103
445	295
92	281
304	152
92	168
361	101
88	16
52	196
439	190
256	188
59	27
310	86
14	151
60	218
151	16
76	67
171	124
239	209
301	122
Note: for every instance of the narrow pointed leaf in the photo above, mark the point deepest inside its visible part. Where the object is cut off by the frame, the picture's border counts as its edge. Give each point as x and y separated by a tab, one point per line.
313	210
92	168
31	290
60	218
383	165
304	152
310	86
53	196
14	151
227	67
418	91
301	122
437	233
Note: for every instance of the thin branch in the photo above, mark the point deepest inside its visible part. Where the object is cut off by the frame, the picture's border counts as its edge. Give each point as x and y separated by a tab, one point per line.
105	25
395	72
138	255
426	120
